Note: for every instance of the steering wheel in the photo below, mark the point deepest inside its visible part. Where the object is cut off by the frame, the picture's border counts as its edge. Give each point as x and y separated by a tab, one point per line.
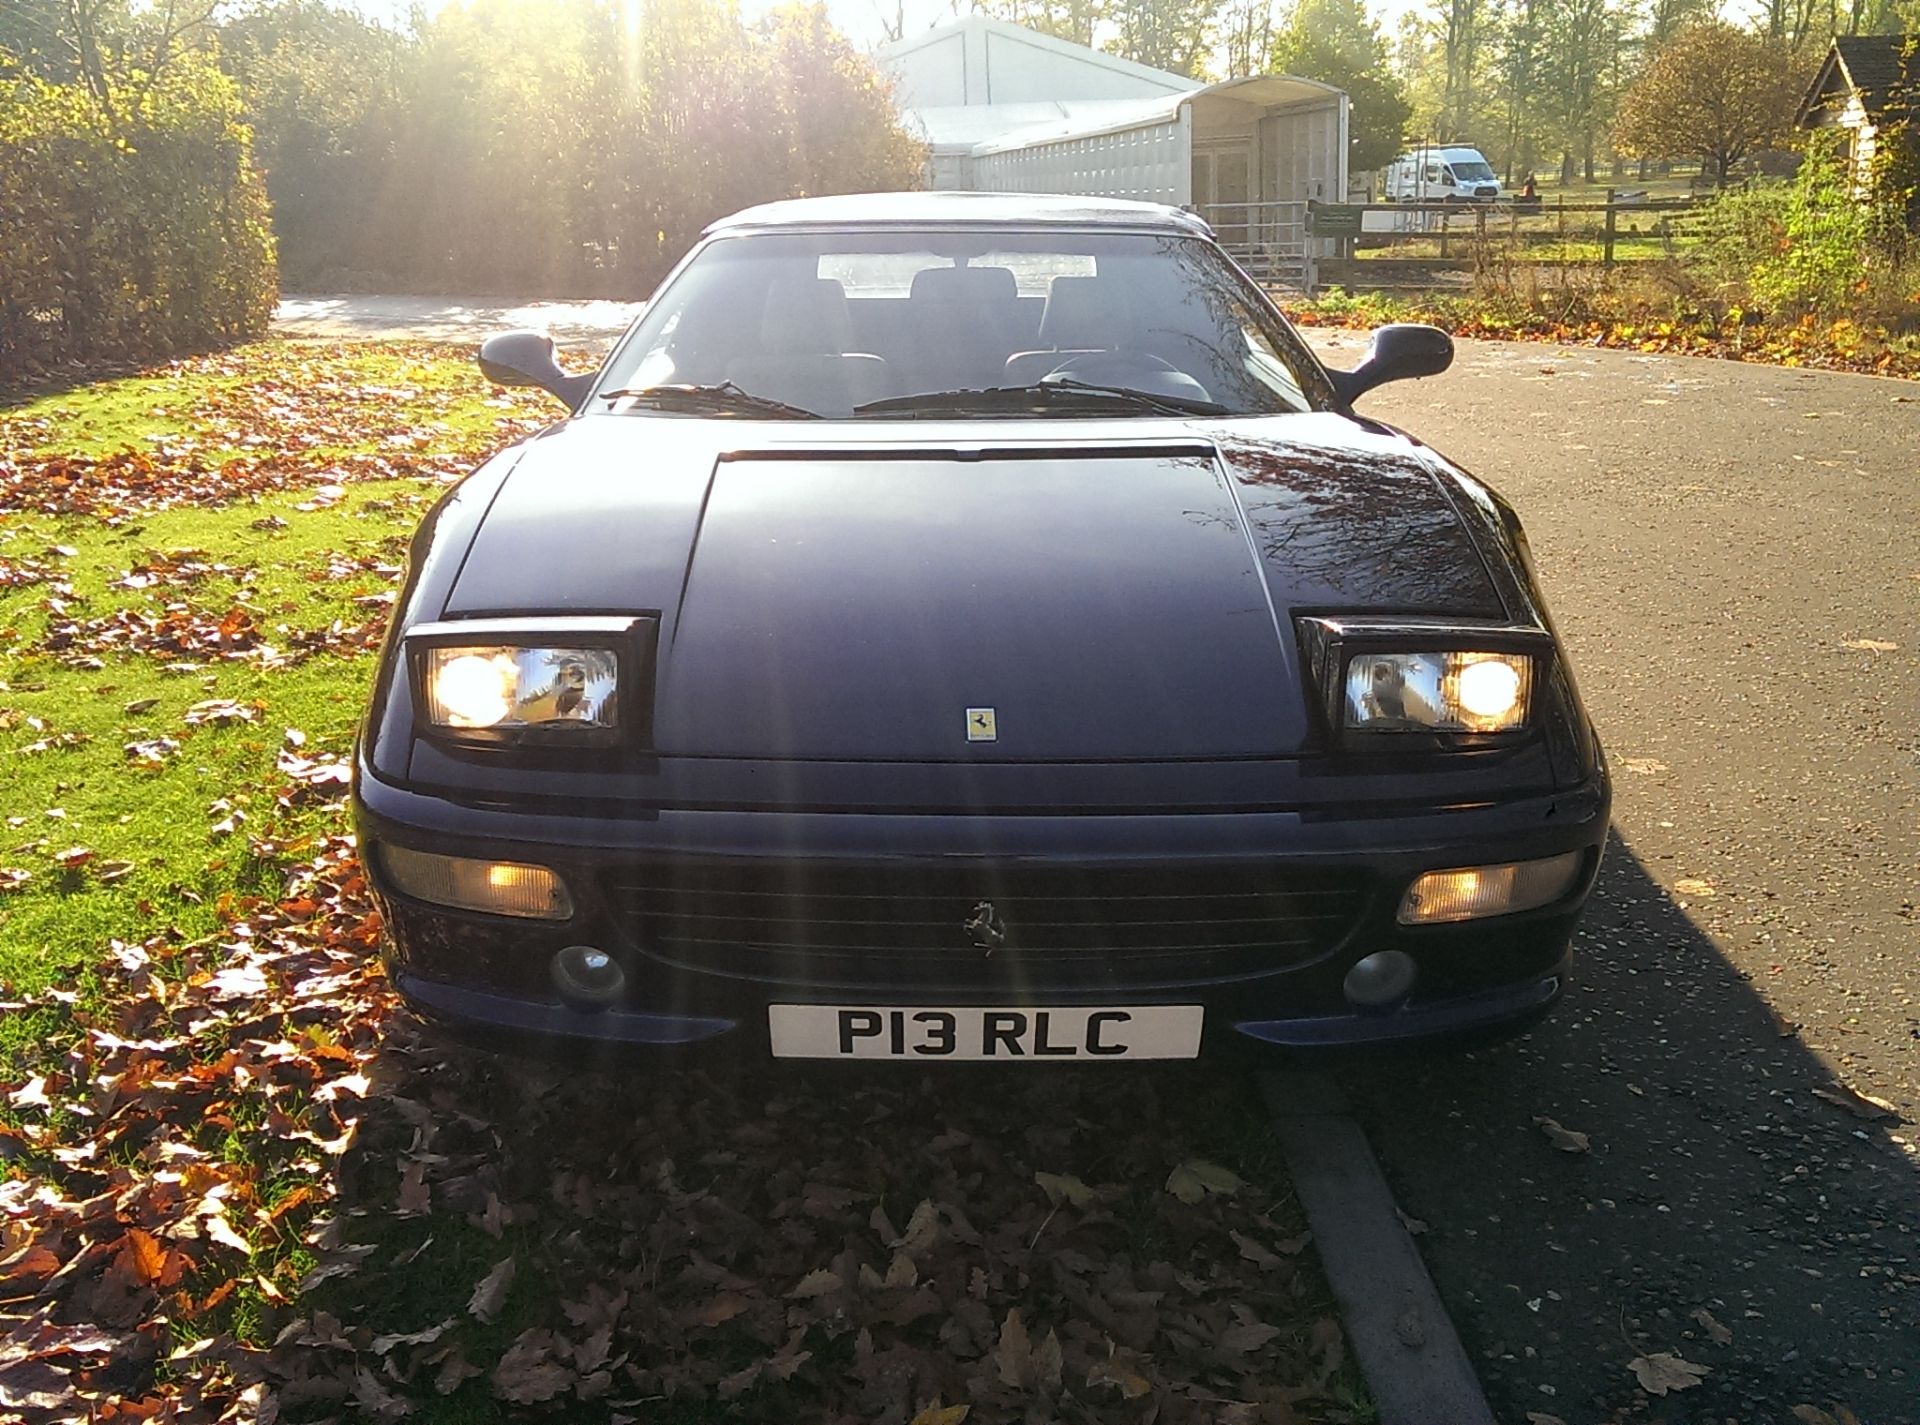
1111	368
1136	369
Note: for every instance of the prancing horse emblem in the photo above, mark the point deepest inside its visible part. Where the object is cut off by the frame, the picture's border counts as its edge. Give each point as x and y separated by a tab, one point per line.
982	725
985	928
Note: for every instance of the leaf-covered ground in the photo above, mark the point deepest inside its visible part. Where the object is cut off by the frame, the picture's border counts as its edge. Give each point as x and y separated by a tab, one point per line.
1613	319
241	1182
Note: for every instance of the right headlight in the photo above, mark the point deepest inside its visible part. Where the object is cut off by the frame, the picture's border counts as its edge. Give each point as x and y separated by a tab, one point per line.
1380	676
1438	691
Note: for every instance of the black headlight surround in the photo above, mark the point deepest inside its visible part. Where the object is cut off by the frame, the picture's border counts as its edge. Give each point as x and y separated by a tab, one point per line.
632	638
1329	641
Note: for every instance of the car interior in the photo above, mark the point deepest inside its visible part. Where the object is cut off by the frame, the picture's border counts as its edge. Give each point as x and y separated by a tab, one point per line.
830	333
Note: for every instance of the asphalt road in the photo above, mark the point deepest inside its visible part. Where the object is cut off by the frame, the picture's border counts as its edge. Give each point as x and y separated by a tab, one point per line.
1733	555
1713	538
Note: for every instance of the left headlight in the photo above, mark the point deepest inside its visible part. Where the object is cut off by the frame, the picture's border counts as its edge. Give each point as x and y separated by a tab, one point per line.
523	680
1438	691
1390	675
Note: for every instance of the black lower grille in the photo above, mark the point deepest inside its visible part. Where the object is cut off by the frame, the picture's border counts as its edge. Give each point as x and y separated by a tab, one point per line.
882	924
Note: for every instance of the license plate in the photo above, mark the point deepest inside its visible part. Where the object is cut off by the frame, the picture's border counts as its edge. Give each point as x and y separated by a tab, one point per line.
1025	1035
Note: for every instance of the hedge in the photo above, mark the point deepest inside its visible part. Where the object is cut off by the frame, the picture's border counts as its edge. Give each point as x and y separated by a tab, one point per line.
133	226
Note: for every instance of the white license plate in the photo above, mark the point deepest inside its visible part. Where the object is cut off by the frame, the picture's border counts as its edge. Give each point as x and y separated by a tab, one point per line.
1023	1035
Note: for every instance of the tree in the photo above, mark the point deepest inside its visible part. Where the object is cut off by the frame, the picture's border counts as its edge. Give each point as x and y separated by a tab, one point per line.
1074	20
839	117
1714	91
1174	35
1336	41
1246	34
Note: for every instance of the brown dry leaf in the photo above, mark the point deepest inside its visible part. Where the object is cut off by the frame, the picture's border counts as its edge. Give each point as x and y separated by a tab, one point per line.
1860	1105
1194	1179
937	1414
1645	766
1247	1336
491	1294
1540	1417
1869	645
1664	1371
1025	1364
1121	1370
1694	886
1565	1139
1716	1333
528	1373
1254	1252
815	1283
415	1196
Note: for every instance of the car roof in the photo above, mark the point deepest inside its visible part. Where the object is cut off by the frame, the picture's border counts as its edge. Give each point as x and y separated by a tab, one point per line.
863	210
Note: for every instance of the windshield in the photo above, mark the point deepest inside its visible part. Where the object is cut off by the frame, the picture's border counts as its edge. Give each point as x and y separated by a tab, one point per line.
830	322
1469	171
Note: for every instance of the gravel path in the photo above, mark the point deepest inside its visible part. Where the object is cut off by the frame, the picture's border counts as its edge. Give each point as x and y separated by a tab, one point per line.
1733	554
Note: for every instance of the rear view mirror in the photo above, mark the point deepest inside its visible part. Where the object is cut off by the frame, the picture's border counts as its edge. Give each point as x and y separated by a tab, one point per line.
527	359
1397	352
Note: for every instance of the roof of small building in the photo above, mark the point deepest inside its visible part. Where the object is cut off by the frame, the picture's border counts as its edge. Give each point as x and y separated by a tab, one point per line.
861	210
1884	70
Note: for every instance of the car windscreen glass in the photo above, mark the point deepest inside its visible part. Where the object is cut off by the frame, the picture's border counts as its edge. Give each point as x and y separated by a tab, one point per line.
1470	172
829	322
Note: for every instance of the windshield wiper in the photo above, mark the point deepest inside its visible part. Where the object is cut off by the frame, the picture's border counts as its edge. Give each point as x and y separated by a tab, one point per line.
723	396
1044	393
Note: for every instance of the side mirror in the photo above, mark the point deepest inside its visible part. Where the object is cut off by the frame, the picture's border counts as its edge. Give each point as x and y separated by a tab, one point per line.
1397	353
526	359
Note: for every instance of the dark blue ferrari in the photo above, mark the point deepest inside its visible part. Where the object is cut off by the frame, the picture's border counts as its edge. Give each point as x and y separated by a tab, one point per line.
974	626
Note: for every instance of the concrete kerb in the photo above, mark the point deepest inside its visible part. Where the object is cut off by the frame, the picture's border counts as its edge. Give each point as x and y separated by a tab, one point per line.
1415	1367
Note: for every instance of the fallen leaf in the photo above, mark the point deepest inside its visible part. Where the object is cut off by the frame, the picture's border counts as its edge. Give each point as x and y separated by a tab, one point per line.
1860	1105
1060	1188
1645	766
1664	1371
1565	1139
1869	645
815	1283
1195	1178
491	1294
937	1414
1247	1336
1716	1333
1694	886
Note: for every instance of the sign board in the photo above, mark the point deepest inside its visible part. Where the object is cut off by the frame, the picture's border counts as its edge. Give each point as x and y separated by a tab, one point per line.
1334	219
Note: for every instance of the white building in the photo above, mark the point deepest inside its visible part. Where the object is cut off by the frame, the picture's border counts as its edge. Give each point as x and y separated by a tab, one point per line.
1006	109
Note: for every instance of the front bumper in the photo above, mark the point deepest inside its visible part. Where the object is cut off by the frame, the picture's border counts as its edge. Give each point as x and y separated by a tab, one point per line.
487	977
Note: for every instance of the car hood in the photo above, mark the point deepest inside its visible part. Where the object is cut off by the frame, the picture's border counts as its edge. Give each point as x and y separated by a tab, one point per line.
1114	591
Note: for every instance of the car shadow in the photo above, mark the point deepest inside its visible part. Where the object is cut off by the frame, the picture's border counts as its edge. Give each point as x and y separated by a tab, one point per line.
1721	1213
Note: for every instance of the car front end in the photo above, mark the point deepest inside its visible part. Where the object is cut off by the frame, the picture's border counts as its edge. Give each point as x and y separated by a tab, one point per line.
1063	736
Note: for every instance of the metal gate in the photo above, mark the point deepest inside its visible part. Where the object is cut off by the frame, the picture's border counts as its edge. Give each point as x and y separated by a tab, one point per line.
1268	239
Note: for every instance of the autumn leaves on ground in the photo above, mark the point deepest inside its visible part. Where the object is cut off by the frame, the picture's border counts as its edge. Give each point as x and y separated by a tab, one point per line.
239	1181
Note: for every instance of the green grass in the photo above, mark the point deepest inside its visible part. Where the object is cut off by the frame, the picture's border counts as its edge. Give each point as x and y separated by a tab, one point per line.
169	855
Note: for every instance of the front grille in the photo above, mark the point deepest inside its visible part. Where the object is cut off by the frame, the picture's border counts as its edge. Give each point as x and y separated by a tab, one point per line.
876	925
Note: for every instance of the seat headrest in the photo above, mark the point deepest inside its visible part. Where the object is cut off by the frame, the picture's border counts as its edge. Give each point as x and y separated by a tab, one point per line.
1083	314
805	314
986	285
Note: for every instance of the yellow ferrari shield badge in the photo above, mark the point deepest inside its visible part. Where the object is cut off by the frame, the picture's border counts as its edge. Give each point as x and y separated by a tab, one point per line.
980	725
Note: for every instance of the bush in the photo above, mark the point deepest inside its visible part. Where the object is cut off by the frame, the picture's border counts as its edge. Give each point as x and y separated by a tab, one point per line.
136	226
1808	247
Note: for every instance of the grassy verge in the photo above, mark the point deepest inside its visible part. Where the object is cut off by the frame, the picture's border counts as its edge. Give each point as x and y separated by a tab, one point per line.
236	1176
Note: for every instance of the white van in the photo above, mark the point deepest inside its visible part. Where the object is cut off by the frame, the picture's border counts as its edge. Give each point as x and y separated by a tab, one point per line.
1453	173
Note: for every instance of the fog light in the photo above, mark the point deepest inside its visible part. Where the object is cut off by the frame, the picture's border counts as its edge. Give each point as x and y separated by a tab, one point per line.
1475	891
587	978
1383	978
496	887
